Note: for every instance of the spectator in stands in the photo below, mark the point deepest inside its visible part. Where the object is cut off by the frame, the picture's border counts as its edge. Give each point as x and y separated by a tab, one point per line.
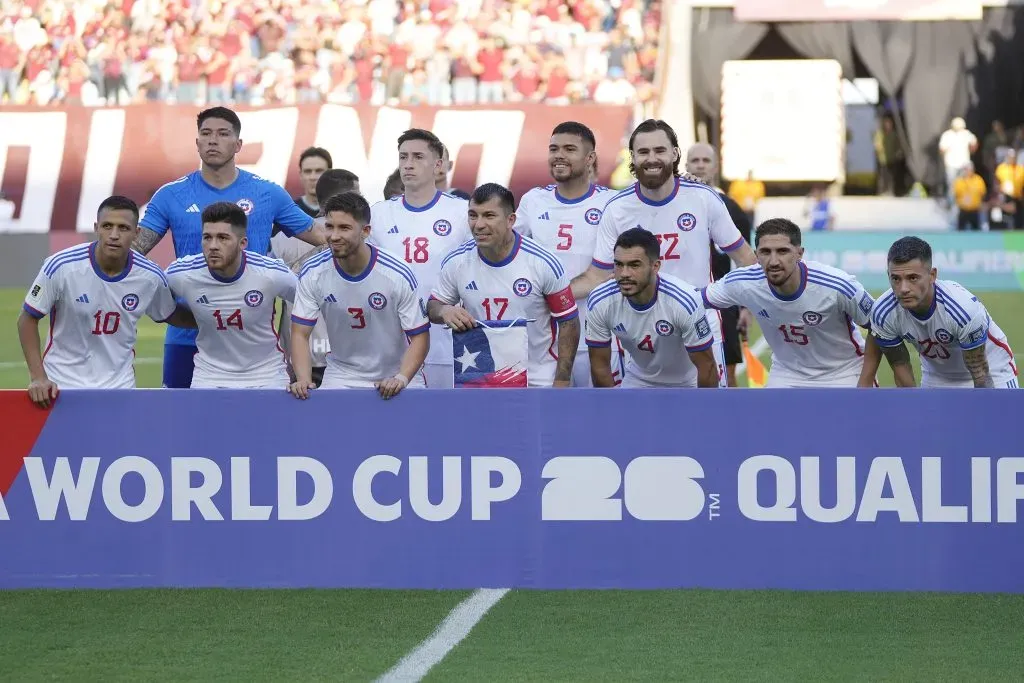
747	193
819	209
969	195
891	159
956	146
1009	177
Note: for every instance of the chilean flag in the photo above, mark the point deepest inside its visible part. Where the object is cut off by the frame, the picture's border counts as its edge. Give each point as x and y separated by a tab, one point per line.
493	354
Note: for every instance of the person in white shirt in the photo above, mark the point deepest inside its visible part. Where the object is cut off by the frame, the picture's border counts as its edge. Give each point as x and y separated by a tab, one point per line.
809	312
421	227
367	297
502	275
294	253
659	319
956	145
959	343
95	294
685	217
232	294
563	217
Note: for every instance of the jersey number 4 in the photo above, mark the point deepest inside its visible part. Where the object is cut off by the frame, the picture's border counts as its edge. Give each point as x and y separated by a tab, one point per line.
233	319
646	344
416	250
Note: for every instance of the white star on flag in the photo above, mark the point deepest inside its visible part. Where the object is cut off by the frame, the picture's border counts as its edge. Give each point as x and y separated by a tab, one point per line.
468	359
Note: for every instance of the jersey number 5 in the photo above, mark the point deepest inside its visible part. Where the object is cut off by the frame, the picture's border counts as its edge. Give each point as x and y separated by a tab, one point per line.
565	233
416	250
234	319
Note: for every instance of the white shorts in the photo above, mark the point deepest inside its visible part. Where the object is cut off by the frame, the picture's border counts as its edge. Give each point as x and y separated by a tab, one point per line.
335	380
1000	382
199	381
634	382
781	378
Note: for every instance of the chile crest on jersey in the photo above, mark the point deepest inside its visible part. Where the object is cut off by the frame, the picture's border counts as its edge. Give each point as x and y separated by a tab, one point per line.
442	228
664	328
377	301
130	302
812	317
592	216
245	205
522	287
253	298
943	336
686	222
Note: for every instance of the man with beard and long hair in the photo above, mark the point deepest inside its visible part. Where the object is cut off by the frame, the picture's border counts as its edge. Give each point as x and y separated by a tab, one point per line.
685	217
563	217
376	323
178	206
659	320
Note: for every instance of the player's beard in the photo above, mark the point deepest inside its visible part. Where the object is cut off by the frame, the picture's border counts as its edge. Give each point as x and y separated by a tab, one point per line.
567	174
653	182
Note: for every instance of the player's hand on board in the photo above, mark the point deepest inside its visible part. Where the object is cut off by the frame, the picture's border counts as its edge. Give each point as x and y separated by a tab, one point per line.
743	324
301	389
392	386
457	318
43	392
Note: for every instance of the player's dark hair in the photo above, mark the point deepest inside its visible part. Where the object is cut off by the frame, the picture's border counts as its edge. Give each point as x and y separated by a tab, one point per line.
778	226
393	186
316	152
119	203
222	113
651	126
578	129
906	249
489	191
351	203
335	181
638	237
226	212
419	134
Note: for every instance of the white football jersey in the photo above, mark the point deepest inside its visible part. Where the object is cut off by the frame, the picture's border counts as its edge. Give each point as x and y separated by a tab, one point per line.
658	337
957	322
94	317
420	237
294	253
237	342
813	334
368	317
565	227
530	284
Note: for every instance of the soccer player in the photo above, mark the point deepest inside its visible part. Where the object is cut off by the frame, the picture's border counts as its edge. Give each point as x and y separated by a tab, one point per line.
702	161
659	319
443	176
232	293
368	300
421	227
313	163
563	217
178	207
959	343
685	217
808	311
294	253
95	294
502	275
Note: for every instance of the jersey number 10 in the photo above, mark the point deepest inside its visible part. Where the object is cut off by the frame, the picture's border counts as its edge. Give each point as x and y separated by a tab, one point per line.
106	323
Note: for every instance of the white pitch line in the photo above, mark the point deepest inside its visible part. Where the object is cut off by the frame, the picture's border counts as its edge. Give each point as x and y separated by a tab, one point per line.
14	365
449	633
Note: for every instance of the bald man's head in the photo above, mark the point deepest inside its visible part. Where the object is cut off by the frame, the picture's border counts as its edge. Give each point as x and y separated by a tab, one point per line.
702	161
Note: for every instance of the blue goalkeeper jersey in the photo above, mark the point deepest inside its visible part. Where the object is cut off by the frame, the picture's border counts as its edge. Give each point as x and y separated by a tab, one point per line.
178	207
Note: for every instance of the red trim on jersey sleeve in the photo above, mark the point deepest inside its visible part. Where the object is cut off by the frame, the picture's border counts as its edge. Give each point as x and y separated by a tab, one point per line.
853	339
303	321
425	327
734	246
703	347
1006	348
37	314
562	304
434	297
601	264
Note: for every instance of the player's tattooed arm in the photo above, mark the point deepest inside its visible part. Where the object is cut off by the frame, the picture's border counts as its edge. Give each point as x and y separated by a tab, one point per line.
146	240
899	361
977	365
568	342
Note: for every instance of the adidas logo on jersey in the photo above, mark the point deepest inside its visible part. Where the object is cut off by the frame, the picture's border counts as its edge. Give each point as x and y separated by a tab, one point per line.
472	285
620	328
192	209
393	230
763	314
544	217
330	299
84	299
202	300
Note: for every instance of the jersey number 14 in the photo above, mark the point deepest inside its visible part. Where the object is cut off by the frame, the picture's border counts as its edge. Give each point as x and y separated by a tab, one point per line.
233	319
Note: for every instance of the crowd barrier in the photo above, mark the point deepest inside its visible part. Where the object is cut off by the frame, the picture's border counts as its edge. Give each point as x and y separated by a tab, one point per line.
584	488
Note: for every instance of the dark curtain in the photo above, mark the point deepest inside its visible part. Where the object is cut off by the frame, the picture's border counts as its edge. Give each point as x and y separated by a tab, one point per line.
995	78
935	91
822	40
716	40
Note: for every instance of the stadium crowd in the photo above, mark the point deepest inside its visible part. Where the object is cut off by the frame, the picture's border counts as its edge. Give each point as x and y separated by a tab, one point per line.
256	52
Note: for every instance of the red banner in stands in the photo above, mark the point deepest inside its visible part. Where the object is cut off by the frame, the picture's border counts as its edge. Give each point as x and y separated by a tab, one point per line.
57	164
